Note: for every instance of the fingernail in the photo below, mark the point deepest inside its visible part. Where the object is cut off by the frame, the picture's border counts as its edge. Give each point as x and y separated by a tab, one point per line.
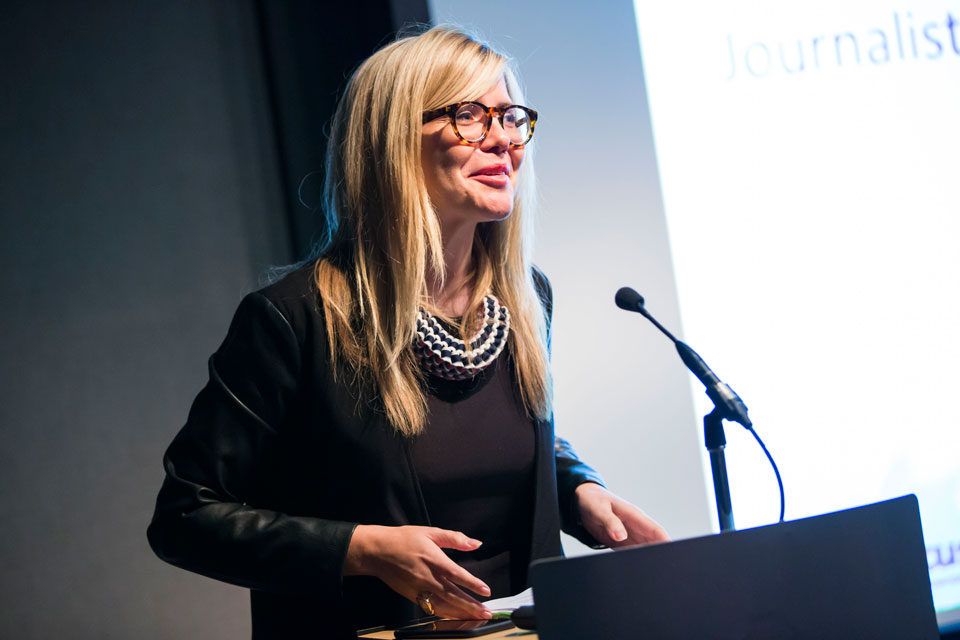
475	542
487	614
619	536
485	591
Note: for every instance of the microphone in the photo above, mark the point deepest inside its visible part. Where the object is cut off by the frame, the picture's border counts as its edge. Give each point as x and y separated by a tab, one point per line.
524	617
727	401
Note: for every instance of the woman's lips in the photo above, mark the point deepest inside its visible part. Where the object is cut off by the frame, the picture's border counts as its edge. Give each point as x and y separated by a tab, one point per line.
495	176
492	179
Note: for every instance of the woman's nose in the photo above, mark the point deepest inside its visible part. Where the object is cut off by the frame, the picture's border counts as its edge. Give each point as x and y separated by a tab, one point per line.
497	135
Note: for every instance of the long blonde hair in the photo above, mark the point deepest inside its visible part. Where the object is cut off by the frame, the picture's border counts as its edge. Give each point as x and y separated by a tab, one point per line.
383	232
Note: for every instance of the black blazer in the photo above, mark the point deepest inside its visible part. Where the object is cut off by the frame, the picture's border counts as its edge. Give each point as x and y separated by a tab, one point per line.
278	462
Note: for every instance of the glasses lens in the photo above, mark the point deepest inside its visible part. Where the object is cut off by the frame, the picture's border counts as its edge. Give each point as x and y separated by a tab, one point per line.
516	122
470	122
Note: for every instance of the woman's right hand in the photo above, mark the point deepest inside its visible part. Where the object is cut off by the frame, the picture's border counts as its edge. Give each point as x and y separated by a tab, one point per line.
410	561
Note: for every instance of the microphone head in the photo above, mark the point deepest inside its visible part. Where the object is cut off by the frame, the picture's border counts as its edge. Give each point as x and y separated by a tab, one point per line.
629	299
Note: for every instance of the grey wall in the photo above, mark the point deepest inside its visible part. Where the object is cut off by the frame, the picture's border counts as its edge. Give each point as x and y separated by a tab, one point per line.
139	201
150	154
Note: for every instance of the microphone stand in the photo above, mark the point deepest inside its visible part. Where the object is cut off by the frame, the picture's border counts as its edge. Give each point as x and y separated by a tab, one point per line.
716	441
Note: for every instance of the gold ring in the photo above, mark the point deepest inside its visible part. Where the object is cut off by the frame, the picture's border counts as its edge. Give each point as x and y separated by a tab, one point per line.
423	599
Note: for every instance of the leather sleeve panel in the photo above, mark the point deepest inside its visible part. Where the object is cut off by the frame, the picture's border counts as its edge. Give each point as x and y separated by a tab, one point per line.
571	473
206	518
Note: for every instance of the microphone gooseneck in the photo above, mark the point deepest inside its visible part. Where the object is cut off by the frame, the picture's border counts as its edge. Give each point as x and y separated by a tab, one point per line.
630	300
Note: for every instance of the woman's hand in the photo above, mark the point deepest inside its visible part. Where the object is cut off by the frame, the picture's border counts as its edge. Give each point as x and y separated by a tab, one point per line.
410	561
613	521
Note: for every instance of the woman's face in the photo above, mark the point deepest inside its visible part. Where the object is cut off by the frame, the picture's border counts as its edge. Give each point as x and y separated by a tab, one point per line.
471	182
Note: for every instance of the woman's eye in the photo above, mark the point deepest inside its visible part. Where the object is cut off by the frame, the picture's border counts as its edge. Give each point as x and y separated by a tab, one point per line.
515	118
469	113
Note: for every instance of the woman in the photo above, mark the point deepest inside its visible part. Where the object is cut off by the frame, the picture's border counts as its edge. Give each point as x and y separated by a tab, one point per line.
345	438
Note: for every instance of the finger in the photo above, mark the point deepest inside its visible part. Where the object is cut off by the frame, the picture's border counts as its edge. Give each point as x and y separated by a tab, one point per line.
613	527
454	603
598	502
458	575
642	529
445	602
448	539
657	534
455	594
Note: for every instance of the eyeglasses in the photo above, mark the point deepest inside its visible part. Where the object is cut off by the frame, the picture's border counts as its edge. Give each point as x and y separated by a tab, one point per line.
471	121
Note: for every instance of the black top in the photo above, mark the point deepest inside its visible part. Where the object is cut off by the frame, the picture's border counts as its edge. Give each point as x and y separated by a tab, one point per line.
475	463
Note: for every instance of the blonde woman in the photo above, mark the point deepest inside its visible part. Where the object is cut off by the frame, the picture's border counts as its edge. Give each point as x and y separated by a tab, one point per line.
376	437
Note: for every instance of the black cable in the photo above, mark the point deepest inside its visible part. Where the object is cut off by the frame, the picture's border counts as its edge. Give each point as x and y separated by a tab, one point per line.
775	470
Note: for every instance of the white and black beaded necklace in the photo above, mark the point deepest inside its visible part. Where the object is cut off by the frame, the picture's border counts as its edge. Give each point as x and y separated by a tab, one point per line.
448	357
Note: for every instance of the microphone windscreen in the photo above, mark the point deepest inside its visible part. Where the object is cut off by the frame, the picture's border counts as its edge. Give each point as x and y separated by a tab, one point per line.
629	299
524	617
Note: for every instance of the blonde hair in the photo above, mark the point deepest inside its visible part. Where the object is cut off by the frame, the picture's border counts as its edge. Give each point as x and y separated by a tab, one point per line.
383	232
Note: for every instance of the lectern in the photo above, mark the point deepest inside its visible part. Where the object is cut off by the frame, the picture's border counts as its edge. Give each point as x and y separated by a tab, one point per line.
859	573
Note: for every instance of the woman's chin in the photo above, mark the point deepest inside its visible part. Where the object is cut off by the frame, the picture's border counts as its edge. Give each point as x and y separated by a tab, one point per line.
497	210
497	216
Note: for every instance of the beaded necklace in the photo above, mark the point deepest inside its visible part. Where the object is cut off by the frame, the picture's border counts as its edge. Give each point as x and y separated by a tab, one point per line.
448	357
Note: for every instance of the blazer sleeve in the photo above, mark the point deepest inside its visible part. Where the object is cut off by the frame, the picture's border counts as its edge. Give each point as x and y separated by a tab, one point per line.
571	471
206	518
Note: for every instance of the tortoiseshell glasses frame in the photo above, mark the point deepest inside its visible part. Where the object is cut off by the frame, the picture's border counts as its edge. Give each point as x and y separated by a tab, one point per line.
488	113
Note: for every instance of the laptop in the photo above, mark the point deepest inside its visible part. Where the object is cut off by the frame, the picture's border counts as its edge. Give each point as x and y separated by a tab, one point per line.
859	573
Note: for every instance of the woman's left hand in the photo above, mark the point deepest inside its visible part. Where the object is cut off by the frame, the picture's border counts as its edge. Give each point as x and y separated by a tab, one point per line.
614	522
